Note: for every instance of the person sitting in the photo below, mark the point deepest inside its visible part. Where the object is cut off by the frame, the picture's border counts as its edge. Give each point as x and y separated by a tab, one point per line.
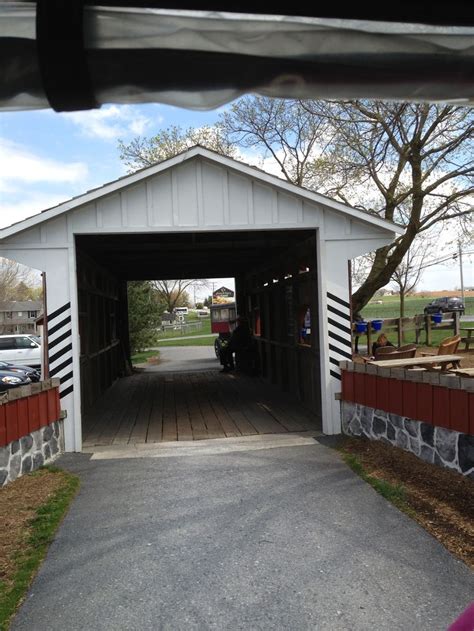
381	341
240	339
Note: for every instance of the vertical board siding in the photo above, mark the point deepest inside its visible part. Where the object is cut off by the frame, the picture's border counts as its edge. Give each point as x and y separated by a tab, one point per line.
22	416
212	195
134	199
186	194
239	199
450	408
161	199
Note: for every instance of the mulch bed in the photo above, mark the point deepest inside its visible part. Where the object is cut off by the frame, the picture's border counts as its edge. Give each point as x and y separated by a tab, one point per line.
19	502
442	500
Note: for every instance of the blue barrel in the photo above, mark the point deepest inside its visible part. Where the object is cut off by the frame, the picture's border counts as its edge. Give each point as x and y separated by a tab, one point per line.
361	327
377	325
437	317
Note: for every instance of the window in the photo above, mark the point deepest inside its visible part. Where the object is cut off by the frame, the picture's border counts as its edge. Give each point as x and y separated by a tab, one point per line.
9	314
24	342
32	314
7	344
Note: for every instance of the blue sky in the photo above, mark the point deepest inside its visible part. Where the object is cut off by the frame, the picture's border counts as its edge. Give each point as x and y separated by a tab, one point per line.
46	158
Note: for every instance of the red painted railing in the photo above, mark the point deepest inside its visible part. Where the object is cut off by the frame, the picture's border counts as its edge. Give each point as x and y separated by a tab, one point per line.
449	404
28	408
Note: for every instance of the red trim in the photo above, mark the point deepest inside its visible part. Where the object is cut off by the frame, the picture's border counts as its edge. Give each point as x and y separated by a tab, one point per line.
23	416
436	405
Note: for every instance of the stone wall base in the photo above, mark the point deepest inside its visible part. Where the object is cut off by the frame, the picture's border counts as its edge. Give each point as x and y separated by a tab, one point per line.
437	445
31	452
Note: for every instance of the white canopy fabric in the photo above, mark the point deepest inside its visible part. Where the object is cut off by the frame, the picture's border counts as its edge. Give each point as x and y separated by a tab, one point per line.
204	59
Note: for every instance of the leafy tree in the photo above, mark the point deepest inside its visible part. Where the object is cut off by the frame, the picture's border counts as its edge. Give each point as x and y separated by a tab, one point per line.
144	314
143	152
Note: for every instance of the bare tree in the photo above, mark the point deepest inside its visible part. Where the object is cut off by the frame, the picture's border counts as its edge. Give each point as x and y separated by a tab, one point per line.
143	152
418	161
174	293
293	134
408	273
13	277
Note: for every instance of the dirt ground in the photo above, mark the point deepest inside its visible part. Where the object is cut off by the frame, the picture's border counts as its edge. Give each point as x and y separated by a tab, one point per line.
442	500
19	501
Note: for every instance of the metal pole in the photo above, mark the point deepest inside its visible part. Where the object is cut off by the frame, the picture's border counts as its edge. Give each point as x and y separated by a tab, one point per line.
460	270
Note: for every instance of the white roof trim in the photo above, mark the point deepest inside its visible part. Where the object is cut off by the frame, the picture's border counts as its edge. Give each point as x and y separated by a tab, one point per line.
255	173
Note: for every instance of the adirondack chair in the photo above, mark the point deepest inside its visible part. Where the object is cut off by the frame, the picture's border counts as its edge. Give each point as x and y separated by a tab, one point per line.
448	346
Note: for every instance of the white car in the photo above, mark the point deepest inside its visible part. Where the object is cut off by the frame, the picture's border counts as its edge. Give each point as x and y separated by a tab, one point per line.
20	349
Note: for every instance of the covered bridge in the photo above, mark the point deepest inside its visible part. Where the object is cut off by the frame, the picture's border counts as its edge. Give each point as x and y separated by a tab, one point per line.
198	215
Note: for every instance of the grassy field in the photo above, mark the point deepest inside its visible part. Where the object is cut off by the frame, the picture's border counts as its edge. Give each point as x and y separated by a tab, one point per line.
205	329
414	305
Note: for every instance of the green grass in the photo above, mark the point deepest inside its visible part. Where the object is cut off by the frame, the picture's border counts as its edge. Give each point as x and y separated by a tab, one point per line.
206	328
414	305
393	493
43	527
144	356
197	341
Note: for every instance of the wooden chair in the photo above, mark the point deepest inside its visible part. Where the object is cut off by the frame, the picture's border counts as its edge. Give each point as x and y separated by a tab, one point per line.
448	346
382	352
391	352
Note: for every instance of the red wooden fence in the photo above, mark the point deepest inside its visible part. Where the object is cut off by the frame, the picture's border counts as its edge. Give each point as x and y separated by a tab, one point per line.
27	409
439	405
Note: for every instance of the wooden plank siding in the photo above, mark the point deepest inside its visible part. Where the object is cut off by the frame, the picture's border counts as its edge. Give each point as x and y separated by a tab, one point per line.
152	407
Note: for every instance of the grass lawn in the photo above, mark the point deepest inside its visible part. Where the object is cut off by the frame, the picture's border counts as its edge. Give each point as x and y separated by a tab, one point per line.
206	328
197	341
414	305
31	509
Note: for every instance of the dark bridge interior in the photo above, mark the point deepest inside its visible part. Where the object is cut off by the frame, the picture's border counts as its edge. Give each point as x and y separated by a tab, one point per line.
276	285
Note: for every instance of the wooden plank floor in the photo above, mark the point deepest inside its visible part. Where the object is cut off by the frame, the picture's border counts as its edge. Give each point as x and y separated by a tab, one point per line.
153	407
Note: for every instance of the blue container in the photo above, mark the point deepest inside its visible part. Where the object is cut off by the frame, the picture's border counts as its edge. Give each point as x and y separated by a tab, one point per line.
377	325
361	327
437	318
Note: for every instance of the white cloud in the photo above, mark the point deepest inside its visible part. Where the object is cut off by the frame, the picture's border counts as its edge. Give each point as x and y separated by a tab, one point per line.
31	204
111	122
21	165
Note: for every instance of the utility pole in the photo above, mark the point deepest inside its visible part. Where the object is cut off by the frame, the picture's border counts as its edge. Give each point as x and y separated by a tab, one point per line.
460	271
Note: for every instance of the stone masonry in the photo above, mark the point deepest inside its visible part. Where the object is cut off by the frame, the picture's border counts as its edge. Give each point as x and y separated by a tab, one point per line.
444	447
30	452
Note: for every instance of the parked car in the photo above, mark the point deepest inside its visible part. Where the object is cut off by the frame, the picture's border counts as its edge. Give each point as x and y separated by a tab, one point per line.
32	373
10	379
443	305
21	350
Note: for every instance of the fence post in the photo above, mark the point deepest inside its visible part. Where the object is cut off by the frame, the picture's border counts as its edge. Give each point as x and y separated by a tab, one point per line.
428	329
369	327
399	331
456	325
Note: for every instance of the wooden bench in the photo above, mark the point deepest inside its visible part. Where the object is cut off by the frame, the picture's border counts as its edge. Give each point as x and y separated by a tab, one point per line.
430	363
469	338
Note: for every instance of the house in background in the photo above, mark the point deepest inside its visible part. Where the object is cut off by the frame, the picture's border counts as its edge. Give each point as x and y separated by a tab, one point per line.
19	316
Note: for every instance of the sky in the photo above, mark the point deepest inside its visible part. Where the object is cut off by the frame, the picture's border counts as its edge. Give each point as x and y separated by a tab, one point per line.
47	158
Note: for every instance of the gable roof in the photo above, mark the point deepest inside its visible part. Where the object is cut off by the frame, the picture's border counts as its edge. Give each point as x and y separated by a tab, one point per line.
189	154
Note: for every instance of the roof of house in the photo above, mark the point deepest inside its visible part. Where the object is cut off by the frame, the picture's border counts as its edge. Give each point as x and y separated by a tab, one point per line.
188	154
21	305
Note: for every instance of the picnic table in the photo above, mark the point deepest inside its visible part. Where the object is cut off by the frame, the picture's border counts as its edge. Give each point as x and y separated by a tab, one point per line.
430	363
469	338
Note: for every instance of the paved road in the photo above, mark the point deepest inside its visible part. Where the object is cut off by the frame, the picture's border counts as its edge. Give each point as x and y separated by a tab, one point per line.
185	359
283	538
179	337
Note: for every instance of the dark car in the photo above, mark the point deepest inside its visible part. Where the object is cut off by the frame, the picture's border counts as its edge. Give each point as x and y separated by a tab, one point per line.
10	379
443	305
32	373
